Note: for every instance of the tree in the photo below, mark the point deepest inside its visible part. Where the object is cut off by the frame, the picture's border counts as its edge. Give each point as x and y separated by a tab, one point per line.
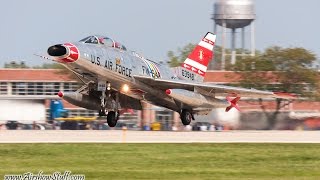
280	69
23	65
49	66
16	65
176	60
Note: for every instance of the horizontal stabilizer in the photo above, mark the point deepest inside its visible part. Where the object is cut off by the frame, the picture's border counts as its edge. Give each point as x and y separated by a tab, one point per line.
233	103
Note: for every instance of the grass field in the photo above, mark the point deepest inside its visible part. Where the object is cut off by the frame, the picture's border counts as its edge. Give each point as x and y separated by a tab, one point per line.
165	161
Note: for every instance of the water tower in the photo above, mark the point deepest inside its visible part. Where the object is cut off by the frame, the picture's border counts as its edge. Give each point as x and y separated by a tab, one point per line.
234	14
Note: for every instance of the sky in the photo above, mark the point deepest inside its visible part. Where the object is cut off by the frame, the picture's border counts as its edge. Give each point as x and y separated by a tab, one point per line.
149	27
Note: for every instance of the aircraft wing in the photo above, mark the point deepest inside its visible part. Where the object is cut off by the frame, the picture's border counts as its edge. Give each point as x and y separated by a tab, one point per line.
211	89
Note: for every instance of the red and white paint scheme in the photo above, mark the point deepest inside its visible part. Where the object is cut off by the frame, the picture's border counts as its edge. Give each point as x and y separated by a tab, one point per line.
72	53
64	53
233	103
201	55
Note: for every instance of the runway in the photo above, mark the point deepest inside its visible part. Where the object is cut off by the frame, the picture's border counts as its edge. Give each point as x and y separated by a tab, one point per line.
119	136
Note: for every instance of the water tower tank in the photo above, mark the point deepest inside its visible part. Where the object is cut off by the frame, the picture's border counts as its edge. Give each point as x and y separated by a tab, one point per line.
236	13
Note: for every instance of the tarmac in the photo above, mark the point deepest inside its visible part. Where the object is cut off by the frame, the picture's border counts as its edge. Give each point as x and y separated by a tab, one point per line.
124	136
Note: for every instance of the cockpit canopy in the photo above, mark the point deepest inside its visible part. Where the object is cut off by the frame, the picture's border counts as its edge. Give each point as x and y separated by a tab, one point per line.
108	42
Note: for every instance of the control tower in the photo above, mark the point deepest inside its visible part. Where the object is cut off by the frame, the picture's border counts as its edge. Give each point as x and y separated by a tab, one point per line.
233	15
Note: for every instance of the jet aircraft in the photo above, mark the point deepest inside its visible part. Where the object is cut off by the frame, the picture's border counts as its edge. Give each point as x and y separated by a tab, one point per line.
114	77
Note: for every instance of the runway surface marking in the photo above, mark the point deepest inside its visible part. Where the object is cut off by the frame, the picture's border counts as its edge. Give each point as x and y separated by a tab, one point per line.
119	136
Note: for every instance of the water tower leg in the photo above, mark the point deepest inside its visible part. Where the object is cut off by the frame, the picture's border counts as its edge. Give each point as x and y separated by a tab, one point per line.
233	47
213	64
253	45
243	42
223	38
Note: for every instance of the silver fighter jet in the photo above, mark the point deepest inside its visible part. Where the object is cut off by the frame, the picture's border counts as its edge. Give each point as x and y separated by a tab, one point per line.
116	78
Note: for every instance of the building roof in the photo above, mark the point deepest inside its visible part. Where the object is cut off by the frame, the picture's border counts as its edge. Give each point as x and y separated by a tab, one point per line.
33	75
270	105
222	76
225	77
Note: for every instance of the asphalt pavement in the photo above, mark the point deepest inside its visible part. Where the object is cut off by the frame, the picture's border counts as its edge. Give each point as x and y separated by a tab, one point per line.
125	136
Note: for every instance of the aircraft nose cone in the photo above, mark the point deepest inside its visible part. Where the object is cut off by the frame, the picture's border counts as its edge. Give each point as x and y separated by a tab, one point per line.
57	50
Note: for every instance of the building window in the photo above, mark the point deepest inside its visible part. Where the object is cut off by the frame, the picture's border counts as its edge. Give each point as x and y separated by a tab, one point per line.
82	113
35	88
39	88
70	87
165	118
19	88
77	113
51	88
31	88
3	88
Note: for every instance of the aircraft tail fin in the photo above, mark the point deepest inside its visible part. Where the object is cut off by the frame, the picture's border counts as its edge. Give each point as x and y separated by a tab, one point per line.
195	66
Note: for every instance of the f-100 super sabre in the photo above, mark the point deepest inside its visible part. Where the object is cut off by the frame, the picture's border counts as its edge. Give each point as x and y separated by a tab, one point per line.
114	78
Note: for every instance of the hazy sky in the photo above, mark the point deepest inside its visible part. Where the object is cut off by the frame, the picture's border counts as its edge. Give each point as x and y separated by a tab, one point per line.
146	26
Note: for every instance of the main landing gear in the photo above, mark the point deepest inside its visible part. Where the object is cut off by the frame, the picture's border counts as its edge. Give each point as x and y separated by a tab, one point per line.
112	118
109	106
186	117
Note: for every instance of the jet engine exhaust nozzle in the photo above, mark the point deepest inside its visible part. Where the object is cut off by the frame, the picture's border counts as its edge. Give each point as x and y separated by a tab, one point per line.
57	50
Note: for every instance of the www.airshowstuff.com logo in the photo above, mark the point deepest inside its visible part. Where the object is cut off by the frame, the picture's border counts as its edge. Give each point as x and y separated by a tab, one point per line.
67	175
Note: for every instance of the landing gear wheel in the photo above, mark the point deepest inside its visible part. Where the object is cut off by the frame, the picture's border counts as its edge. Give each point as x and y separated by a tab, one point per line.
112	119
186	117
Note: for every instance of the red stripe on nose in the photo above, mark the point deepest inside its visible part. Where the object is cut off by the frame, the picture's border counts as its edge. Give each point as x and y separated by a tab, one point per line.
73	53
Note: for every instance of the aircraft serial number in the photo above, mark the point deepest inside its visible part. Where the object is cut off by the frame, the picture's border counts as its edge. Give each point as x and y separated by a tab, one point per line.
187	74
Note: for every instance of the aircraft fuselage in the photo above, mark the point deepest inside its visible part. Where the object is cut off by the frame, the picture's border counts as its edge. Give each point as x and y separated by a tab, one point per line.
116	66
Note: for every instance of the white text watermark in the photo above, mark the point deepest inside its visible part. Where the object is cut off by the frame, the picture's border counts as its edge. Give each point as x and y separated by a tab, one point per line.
67	175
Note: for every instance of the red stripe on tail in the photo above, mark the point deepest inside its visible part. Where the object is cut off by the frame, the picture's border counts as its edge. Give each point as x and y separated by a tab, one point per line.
200	57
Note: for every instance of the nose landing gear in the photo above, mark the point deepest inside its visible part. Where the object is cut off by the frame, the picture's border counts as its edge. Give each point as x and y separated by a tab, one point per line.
112	118
109	106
